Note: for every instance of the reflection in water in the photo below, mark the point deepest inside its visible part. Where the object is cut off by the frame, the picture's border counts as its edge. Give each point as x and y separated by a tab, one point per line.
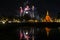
47	30
45	33
26	33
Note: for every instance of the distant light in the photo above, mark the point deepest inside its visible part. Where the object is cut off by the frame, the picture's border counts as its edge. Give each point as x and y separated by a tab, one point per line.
30	20
36	20
26	33
26	12
18	21
3	22
9	21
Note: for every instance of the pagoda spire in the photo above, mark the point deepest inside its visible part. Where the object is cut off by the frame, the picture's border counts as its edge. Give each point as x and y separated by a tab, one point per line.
48	18
47	13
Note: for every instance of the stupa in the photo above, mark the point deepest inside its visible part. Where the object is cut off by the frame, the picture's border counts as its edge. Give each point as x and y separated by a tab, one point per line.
47	18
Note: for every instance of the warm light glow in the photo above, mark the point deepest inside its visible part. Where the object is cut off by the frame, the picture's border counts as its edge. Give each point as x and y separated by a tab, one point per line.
48	18
16	20
30	20
36	20
6	19
3	22
47	30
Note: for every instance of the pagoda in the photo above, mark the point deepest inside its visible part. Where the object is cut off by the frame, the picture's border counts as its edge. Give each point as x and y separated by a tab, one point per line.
47	18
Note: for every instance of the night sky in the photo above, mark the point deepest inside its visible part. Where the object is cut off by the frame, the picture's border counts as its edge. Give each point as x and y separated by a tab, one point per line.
9	7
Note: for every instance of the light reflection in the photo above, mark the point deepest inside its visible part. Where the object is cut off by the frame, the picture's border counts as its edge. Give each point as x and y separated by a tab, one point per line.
27	33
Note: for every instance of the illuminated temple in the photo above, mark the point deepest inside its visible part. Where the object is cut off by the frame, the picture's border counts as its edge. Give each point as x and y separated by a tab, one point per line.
47	18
